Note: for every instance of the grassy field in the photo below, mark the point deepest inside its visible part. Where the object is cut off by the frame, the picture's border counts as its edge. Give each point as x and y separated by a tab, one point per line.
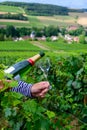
57	20
17	46
25	47
39	21
65	47
15	23
13	51
16	51
82	18
34	21
10	9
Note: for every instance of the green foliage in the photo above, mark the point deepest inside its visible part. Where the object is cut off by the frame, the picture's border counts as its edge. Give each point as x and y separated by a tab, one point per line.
11	31
63	104
10	9
13	16
2	37
76	32
13	51
82	39
62	19
40	9
51	31
18	46
69	80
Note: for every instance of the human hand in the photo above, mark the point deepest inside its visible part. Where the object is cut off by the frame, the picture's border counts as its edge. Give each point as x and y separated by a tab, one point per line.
2	83
40	89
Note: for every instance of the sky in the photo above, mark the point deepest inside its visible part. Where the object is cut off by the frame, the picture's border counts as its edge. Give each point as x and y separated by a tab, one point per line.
66	3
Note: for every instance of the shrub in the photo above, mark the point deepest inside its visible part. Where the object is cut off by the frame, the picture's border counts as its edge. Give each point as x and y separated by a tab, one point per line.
64	103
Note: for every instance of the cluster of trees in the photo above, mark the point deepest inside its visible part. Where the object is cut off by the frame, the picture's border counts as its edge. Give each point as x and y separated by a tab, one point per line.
46	10
77	32
10	32
78	10
13	16
40	9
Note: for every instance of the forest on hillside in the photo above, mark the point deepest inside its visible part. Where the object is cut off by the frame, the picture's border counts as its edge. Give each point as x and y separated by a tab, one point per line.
42	9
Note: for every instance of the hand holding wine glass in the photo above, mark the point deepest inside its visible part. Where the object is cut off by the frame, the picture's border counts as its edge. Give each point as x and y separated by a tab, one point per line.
44	65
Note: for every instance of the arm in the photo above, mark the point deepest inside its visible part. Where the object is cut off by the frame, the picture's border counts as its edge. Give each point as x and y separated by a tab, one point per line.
35	90
23	88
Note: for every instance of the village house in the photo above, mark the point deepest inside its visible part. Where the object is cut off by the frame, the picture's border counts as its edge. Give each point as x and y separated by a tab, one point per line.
26	37
18	39
76	39
68	38
43	38
72	28
32	35
54	38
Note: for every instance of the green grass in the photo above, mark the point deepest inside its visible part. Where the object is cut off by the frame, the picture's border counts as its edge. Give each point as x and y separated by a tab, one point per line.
24	48
17	46
34	21
61	47
10	9
15	51
66	17
57	20
51	20
12	51
17	24
54	23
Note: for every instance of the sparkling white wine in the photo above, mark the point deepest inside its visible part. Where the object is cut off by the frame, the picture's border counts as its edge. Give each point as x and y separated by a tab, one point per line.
20	68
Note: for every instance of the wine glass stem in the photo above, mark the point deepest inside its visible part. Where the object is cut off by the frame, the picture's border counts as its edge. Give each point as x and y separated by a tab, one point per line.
46	77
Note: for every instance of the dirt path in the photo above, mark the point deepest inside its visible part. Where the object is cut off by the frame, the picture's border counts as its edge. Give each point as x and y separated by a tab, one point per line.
44	47
38	44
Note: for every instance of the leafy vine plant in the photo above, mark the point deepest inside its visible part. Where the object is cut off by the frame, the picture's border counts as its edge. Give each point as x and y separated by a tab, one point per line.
64	107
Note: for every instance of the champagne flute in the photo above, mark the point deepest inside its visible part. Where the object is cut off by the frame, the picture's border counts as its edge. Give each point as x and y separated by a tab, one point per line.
44	65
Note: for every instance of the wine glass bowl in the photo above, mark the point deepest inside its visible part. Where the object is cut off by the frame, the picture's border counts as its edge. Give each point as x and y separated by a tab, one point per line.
44	65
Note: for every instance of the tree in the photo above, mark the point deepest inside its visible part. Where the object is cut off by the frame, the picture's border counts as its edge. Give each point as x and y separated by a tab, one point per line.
23	31
1	37
82	39
51	30
2	30
77	32
11	31
63	31
39	32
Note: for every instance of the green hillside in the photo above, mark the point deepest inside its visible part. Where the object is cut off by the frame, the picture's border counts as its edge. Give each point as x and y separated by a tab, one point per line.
39	9
39	21
10	9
